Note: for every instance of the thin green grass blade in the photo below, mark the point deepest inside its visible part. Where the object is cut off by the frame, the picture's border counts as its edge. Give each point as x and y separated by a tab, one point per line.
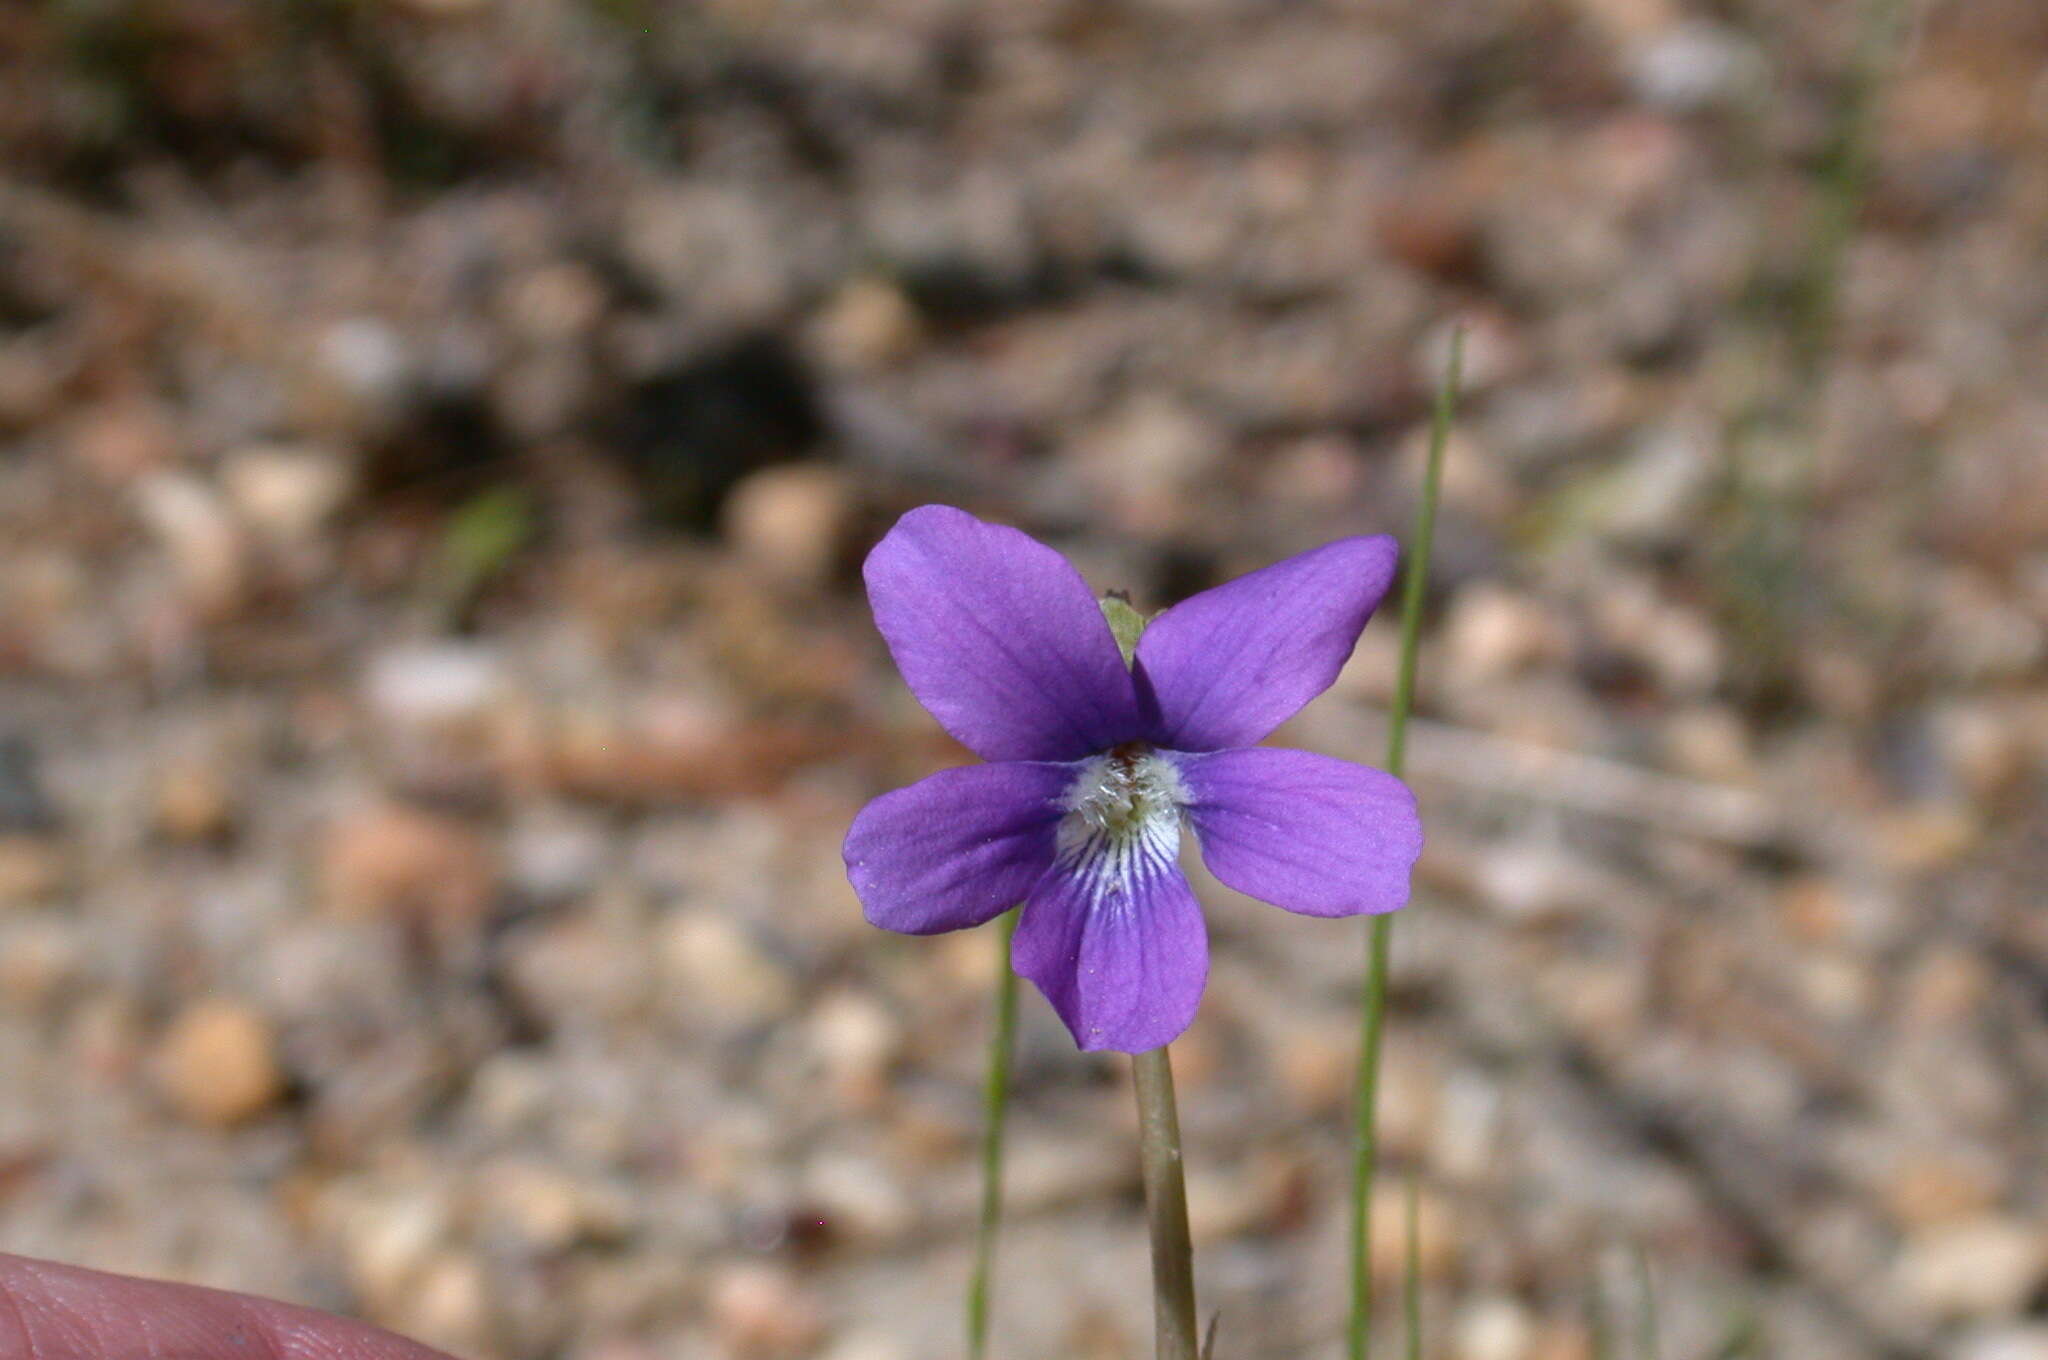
1846	178
995	1108
1647	1328
1744	1337
1598	1322
1774	436
1411	1271
1373	1021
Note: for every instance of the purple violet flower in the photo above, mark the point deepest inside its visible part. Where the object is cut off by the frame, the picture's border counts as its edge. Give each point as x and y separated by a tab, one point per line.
1094	766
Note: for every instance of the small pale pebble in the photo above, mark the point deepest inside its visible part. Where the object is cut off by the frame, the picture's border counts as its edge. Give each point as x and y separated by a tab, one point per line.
1926	836
399	861
1244	1196
1145	456
285	492
577	967
868	324
1944	986
124	440
859	1197
40	955
1676	643
548	1210
1655	496
1979	633
866	1346
1839	682
1493	632
1710	742
1534	881
1316	1061
1813	909
510	1092
388	1236
1692	66
1223	1202
620	1349
554	303
554	856
433	684
1409	1092
1926	1191
1436	1241
366	356
1981	1267
1627	20
791	521
195	801
967	958
207	555
1562	1341
217	1064
1982	748
1837	986
1470	1109
1319	473
1069	1168
449	1305
761	1310
1494	353
855	1037
1474	482
2004	1343
104	1039
31	869
723	969
1494	1328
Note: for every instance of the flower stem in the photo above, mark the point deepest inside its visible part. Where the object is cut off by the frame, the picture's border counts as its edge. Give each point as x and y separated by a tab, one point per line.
1373	1021
995	1108
1411	1275
1647	1330
1166	1205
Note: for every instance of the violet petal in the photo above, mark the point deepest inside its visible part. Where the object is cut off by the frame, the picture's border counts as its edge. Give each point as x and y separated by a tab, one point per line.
957	848
1123	969
1225	667
1310	833
1000	638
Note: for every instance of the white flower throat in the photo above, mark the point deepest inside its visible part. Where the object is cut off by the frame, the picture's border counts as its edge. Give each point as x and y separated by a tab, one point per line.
1122	822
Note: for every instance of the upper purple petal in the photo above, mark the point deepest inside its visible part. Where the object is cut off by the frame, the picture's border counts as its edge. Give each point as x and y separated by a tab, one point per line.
1227	666
1310	833
1000	638
955	849
1124	968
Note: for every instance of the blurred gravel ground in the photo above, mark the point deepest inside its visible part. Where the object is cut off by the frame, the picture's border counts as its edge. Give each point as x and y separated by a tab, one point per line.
436	444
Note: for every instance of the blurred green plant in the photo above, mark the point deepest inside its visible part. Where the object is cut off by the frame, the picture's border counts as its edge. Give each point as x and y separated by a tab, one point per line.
1744	1336
1768	587
1373	1004
995	1107
1411	1270
481	538
223	86
1647	1327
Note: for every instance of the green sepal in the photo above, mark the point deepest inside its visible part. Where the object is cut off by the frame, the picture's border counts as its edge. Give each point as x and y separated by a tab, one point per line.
1125	623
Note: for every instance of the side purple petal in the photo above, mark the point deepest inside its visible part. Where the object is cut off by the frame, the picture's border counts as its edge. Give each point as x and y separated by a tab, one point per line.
955	849
1124	970
1310	833
1227	666
1000	638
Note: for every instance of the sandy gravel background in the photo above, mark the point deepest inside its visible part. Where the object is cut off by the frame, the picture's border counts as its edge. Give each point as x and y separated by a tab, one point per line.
437	440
